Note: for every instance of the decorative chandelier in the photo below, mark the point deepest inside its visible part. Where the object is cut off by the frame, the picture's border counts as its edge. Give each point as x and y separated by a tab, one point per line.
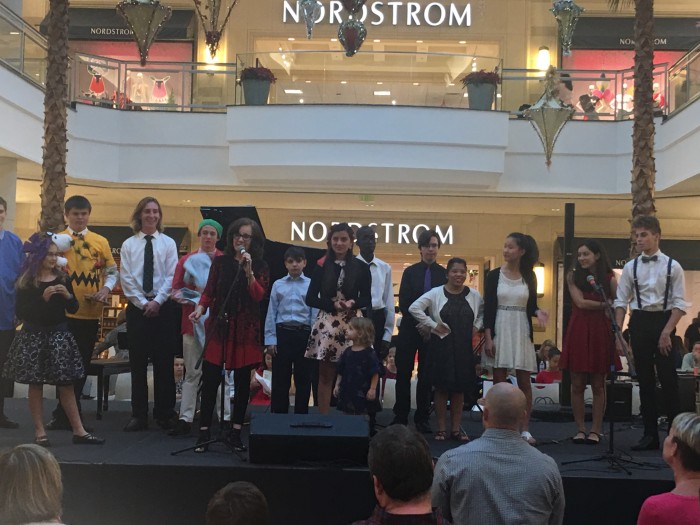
567	14
209	12
352	32
145	18
549	114
311	10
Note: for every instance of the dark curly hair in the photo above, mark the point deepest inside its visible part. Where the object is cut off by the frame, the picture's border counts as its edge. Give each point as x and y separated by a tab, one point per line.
600	271
257	242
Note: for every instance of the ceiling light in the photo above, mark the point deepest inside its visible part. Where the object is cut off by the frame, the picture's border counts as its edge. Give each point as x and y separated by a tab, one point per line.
419	41
462	41
307	81
334	39
451	84
186	201
393	102
14	32
293	91
382	93
380	83
291	39
343	81
556	209
301	101
416	84
376	40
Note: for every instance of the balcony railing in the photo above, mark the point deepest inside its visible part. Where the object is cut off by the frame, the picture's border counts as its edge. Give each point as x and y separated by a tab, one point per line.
22	48
684	80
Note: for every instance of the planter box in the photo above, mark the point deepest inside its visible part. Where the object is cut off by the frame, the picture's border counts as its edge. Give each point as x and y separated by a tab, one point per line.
481	96
255	92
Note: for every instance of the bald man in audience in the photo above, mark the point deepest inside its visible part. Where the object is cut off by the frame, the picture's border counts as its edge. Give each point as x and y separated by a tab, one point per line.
499	478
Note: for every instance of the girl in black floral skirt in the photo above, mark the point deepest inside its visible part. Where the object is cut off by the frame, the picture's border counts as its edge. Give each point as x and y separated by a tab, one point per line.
44	351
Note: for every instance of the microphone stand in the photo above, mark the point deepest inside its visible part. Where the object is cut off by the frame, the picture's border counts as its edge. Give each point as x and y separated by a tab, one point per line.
222	323
615	460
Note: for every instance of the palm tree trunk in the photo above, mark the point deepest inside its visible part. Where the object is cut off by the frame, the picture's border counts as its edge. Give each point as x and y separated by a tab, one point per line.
53	185
643	165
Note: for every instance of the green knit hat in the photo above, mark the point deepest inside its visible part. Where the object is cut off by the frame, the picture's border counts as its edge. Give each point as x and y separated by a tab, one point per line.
211	222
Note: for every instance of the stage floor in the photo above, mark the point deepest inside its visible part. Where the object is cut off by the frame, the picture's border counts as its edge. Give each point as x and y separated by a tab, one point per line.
134	477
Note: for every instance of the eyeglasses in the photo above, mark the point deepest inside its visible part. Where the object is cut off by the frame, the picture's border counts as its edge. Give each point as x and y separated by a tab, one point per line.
433	245
243	236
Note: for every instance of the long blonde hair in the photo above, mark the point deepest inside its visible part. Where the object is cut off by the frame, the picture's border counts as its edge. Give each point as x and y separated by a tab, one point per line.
30	486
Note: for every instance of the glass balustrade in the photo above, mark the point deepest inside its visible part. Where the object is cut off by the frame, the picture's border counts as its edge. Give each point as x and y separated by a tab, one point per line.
22	48
684	80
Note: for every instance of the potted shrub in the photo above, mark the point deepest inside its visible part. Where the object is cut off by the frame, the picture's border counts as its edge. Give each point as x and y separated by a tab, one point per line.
481	88
256	85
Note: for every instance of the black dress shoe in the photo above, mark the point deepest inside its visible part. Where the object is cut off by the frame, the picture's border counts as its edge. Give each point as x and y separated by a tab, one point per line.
167	424
182	428
8	423
87	439
423	427
647	443
136	425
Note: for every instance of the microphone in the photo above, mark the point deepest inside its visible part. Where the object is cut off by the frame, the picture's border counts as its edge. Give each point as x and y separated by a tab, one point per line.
591	281
241	250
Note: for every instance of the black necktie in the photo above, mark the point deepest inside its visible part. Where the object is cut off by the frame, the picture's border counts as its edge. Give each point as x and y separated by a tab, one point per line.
427	281
646	259
148	265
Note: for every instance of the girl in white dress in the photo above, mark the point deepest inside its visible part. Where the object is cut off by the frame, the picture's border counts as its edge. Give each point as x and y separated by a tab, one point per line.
510	303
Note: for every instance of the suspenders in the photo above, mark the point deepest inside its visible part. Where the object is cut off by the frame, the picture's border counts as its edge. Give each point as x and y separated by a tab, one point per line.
636	283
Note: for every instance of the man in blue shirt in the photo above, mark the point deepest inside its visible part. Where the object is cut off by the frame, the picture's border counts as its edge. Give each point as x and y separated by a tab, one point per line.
11	257
287	328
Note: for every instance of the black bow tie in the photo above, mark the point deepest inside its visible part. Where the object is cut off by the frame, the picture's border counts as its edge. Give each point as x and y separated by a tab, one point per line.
653	258
78	235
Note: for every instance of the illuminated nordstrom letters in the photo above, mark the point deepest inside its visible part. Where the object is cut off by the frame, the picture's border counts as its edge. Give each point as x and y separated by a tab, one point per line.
396	13
391	233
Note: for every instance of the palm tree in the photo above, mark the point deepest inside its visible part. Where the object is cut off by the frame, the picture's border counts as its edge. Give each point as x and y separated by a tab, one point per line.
53	185
643	165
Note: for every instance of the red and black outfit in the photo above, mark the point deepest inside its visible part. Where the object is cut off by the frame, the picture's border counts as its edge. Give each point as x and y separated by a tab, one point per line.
234	336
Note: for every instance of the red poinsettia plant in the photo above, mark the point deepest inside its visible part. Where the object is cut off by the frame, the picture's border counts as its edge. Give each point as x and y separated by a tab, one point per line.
258	73
482	77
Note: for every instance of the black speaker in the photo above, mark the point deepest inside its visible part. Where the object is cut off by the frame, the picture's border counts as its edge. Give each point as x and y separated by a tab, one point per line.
292	438
619	401
686	392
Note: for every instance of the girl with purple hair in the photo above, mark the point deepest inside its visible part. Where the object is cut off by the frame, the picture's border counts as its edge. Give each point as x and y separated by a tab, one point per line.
44	351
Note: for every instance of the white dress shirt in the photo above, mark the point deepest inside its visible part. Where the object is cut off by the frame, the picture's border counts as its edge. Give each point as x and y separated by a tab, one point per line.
651	277
382	293
164	263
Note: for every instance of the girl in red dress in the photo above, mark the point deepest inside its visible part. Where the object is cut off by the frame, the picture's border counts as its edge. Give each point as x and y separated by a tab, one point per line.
234	337
589	346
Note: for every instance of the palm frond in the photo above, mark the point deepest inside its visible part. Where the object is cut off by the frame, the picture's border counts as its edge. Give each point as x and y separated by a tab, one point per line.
616	5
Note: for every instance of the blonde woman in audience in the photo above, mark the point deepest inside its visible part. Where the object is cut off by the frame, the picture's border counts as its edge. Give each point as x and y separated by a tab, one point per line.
30	486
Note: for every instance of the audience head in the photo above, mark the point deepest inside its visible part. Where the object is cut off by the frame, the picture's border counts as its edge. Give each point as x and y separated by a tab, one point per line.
178	367
696	352
247	233
361	331
3	212
553	356
401	465
147	215
504	407
30	486
682	446
428	245
543	351
238	503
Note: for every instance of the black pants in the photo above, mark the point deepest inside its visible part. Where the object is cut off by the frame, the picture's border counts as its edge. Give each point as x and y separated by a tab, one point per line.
154	338
211	379
85	333
410	341
378	319
291	346
6	385
645	330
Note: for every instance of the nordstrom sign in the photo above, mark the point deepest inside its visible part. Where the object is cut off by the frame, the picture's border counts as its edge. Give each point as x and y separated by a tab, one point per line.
397	233
395	13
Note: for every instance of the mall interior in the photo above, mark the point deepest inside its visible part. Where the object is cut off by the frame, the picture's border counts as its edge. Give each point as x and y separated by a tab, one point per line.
385	137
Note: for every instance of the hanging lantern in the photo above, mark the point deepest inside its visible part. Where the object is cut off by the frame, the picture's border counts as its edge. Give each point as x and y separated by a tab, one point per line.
353	6
567	14
351	34
145	19
549	114
209	13
311	10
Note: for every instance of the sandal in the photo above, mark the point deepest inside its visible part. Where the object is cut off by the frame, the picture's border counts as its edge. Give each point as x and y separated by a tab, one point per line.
528	437
590	441
440	435
42	441
459	435
579	438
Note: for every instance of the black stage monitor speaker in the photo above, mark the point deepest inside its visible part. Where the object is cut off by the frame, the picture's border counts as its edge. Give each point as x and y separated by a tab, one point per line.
686	391
292	438
619	403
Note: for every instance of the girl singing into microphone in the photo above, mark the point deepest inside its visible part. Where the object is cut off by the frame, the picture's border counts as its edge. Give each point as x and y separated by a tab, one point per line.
238	282
589	345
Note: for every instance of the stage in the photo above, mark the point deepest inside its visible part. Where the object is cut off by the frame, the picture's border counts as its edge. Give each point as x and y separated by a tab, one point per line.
134	478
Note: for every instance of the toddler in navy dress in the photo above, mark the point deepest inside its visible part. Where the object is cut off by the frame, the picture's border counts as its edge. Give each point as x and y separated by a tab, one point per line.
358	371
